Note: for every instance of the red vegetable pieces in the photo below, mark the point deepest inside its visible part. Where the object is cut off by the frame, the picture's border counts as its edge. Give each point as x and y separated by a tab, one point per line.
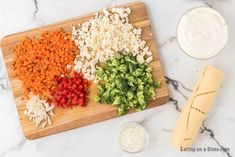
70	92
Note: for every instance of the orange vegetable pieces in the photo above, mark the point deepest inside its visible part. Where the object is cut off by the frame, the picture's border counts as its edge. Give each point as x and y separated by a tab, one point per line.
38	60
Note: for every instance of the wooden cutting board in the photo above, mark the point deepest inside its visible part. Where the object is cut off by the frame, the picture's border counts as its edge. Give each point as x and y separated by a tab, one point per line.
66	119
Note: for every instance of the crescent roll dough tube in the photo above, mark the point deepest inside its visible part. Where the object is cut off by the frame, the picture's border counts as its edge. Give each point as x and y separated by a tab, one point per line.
197	106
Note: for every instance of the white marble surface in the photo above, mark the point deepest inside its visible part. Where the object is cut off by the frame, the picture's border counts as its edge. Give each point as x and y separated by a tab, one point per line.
100	139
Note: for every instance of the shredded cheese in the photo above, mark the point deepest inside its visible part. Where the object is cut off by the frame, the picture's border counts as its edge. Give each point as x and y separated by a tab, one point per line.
103	36
39	111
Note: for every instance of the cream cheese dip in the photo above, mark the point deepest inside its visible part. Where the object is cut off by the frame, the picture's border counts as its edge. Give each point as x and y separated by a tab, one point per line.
202	32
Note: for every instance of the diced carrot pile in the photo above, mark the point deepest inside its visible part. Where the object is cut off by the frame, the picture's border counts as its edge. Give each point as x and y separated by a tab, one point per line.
39	60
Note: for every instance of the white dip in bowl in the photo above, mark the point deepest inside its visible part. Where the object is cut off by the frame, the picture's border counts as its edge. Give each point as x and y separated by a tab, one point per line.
202	32
133	137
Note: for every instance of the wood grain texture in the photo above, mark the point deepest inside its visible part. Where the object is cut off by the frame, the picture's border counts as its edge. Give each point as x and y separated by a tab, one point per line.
66	119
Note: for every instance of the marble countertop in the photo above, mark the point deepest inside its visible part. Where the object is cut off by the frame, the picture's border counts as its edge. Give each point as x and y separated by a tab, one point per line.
181	72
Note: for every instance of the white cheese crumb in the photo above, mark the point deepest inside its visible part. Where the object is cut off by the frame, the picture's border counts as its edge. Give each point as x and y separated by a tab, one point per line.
103	36
39	111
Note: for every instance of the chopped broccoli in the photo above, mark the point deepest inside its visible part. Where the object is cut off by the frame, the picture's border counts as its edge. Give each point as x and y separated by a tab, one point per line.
125	83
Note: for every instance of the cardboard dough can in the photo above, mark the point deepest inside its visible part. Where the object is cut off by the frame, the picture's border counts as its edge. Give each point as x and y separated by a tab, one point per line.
197	106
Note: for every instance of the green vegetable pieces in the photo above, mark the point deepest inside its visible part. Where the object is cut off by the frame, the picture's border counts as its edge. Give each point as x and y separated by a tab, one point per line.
125	83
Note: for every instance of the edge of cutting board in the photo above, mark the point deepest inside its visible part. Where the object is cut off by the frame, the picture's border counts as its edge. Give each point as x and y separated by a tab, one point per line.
112	113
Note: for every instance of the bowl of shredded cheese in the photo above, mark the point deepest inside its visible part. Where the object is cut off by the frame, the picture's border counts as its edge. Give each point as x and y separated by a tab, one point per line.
133	137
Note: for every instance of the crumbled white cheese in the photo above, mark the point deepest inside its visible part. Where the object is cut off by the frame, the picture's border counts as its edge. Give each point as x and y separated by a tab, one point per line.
39	111
103	36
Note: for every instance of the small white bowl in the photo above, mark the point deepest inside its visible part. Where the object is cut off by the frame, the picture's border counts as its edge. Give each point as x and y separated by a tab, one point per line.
125	126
